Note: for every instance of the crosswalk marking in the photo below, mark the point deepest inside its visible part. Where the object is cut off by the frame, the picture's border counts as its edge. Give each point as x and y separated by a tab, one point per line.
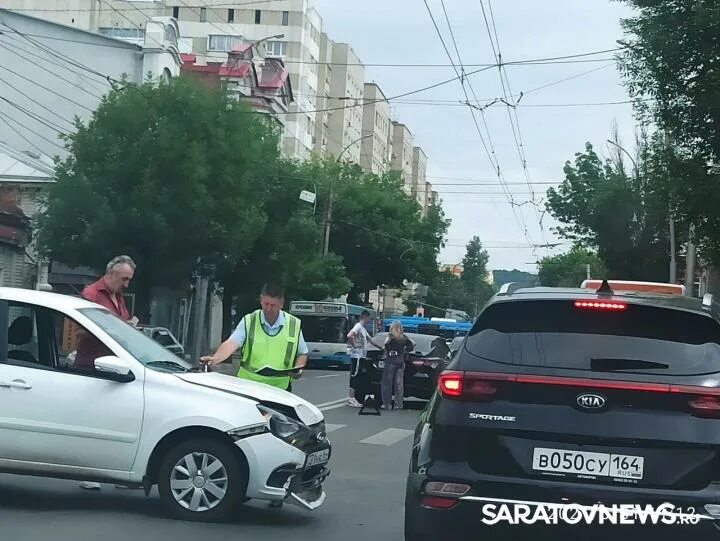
388	437
332	428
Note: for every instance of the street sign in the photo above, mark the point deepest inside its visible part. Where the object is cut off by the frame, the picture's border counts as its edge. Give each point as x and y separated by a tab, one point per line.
306	196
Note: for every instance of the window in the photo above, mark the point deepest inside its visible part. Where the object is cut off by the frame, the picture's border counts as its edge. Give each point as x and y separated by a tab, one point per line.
223	43
276	48
286	18
551	333
231	15
176	12
39	337
203	15
143	348
123	33
258	16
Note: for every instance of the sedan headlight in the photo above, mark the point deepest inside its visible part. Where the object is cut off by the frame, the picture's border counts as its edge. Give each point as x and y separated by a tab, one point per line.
281	426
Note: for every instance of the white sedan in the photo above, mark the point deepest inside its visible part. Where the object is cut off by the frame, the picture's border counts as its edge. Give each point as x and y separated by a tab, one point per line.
127	411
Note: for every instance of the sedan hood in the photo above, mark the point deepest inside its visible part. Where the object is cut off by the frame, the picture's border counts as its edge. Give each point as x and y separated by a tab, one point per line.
307	412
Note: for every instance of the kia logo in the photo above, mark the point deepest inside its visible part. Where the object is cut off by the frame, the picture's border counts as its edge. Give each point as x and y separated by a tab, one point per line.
591	401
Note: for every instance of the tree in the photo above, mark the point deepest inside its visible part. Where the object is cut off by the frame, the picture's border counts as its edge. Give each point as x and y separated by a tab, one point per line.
169	173
570	269
287	250
670	65
670	60
475	276
377	229
625	217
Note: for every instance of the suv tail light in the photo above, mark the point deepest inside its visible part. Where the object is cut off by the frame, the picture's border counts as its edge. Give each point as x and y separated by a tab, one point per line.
484	387
608	306
471	386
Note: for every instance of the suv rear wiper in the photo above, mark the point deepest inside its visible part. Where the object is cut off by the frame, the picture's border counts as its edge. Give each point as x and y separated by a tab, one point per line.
603	364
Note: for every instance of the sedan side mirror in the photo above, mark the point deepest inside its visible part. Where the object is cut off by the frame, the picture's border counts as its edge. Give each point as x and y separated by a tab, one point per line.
114	368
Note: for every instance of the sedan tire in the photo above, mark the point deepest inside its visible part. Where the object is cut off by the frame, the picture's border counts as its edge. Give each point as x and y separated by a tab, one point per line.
201	480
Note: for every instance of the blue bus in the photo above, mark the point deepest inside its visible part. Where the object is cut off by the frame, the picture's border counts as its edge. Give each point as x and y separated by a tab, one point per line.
447	328
325	326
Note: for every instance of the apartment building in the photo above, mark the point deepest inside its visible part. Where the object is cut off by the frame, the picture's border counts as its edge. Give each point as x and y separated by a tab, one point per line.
322	117
210	29
419	172
377	126
402	154
345	118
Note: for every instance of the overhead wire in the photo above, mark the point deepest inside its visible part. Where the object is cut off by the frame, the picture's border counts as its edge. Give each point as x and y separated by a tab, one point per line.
511	107
492	157
58	54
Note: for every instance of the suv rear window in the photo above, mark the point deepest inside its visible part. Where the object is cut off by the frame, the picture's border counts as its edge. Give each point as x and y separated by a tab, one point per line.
556	334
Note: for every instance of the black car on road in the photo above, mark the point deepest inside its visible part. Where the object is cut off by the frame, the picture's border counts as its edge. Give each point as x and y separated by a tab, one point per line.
422	368
569	396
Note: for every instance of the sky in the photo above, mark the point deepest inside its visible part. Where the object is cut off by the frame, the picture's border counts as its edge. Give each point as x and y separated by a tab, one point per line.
550	131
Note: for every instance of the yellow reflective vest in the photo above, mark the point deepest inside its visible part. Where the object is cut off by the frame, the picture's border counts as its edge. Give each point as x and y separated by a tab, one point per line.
262	350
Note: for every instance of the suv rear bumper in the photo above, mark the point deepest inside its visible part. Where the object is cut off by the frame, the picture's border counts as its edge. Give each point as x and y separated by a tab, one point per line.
465	518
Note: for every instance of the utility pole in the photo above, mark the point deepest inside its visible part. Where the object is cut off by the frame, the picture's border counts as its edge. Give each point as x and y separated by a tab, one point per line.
690	263
673	251
587	269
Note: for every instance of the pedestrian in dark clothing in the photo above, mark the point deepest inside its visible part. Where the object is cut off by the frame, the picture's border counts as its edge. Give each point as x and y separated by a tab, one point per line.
397	348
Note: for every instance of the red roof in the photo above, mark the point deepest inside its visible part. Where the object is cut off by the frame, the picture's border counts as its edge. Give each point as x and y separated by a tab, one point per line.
234	71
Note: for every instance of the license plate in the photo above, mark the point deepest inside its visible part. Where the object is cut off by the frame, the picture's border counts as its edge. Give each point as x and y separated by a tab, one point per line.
317	458
381	364
587	463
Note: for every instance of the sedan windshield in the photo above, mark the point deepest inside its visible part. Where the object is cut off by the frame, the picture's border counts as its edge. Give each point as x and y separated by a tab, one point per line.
141	347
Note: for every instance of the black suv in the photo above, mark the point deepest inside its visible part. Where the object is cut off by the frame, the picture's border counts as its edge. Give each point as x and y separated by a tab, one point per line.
569	396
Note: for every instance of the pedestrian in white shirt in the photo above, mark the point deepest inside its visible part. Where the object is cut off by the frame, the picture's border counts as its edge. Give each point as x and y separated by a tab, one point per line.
358	340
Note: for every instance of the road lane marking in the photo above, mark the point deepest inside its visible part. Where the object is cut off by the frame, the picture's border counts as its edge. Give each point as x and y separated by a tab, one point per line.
331	403
329	376
388	437
335	406
332	428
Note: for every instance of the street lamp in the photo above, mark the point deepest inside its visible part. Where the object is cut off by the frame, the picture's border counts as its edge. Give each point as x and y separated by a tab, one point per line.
328	218
258	42
671	222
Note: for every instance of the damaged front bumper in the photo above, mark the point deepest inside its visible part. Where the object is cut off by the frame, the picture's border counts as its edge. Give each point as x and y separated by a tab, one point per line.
302	486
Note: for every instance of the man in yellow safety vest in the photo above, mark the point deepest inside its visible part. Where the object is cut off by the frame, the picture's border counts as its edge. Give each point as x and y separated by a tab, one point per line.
270	338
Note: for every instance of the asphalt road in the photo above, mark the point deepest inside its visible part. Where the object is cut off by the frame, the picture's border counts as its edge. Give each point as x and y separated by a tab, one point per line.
365	490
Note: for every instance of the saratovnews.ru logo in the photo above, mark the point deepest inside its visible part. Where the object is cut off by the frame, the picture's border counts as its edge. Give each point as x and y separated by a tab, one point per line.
517	512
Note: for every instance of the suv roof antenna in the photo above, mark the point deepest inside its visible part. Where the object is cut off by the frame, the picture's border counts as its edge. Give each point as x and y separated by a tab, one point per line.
605	288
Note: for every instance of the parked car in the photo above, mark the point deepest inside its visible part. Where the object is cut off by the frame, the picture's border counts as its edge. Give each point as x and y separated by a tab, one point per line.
422	368
138	415
165	338
569	396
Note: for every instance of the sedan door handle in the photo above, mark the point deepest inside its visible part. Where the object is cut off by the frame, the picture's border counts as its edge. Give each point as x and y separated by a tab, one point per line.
16	384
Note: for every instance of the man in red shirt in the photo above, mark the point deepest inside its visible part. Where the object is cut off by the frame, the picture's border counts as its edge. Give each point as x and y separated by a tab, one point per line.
108	292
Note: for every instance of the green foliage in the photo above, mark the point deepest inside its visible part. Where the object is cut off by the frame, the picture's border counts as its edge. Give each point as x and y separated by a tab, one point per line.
184	179
167	173
623	216
670	63
671	56
475	276
570	269
287	250
501	277
377	229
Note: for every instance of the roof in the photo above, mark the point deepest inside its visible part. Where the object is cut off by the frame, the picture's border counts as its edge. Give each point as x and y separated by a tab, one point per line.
55	301
23	166
118	43
678	302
